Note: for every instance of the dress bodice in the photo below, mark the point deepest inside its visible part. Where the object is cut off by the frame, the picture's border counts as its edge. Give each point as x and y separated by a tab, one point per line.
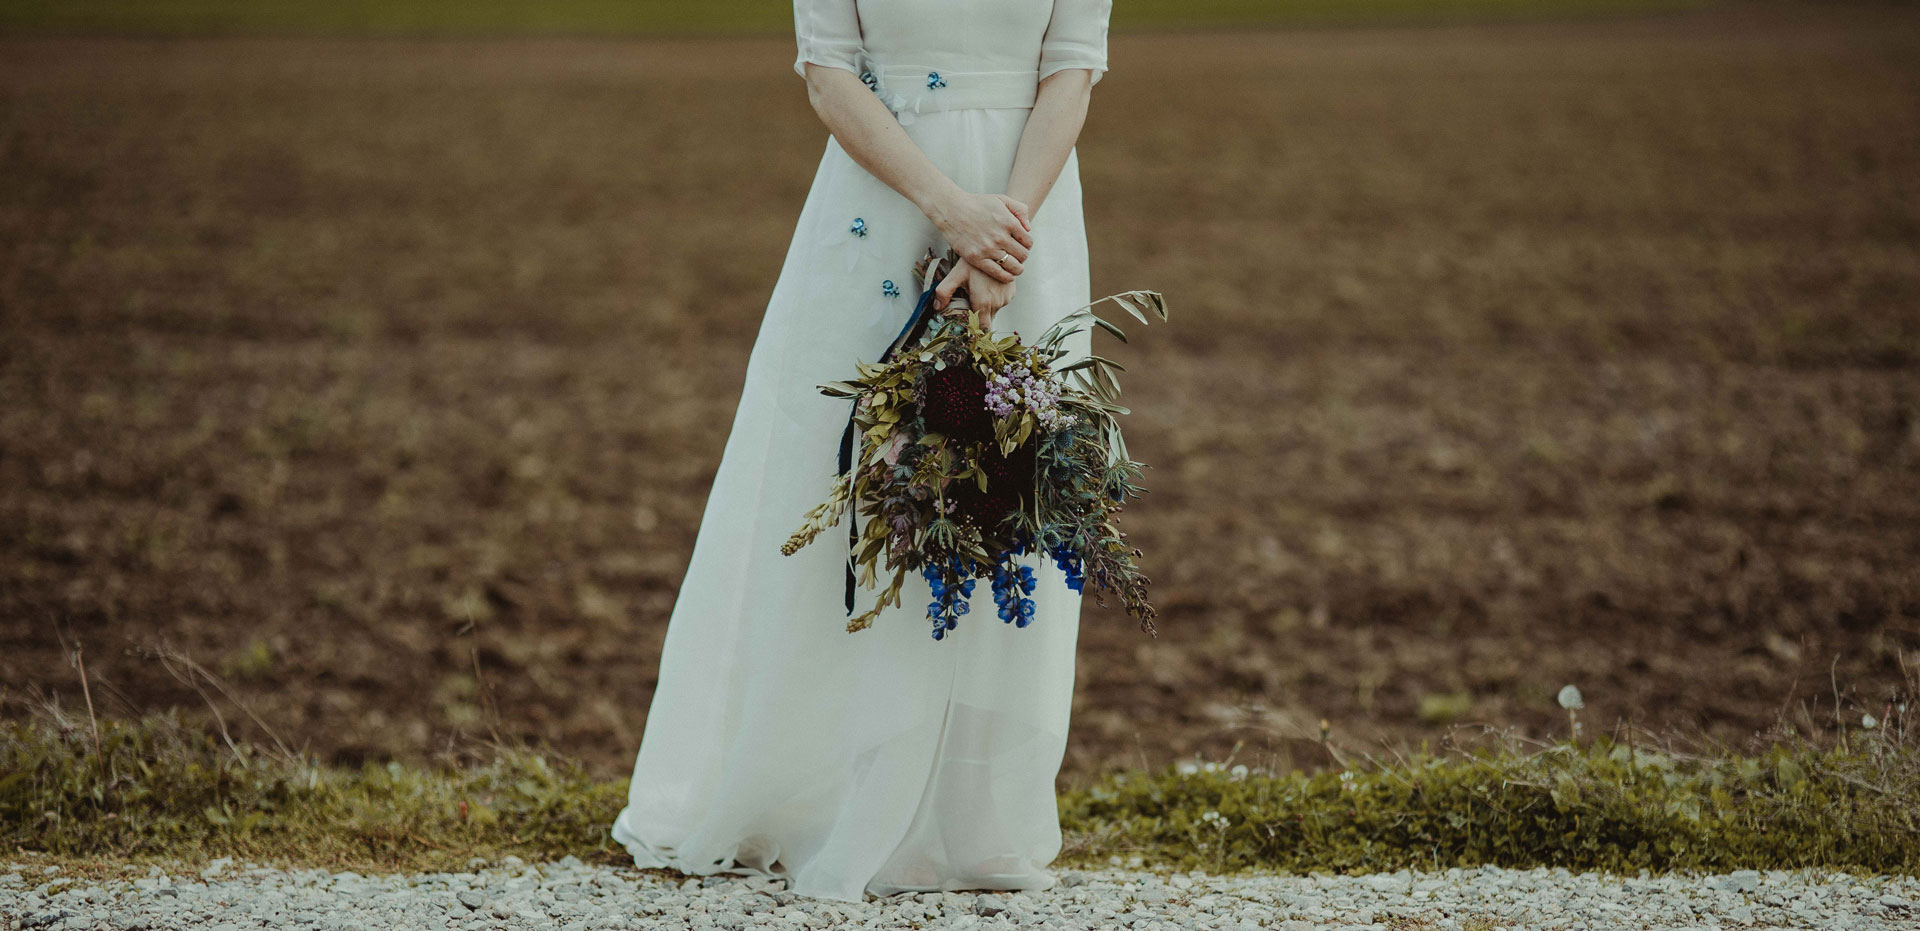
1033	37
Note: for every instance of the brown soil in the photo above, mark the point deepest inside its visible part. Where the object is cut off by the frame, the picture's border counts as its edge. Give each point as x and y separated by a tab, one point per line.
1503	358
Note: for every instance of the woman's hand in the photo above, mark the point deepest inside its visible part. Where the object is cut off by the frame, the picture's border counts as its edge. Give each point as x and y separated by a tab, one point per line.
984	227
985	295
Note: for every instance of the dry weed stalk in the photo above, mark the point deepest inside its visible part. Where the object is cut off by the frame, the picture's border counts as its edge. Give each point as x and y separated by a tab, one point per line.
190	673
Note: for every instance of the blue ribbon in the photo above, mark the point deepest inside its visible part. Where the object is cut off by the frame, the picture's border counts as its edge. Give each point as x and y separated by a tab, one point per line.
915	325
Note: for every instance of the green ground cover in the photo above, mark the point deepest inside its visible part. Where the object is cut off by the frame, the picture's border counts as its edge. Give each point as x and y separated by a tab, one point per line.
114	795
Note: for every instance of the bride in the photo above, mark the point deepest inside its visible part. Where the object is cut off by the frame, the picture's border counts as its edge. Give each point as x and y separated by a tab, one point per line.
884	760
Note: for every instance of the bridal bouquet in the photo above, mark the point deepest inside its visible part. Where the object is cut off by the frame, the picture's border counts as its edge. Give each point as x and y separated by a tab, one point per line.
973	449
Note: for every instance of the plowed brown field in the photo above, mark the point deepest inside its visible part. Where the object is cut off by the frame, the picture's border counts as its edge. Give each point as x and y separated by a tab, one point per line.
1502	358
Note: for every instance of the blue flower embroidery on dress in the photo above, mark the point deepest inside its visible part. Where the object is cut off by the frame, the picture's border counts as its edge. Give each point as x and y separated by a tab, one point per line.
935	80
903	108
858	245
884	303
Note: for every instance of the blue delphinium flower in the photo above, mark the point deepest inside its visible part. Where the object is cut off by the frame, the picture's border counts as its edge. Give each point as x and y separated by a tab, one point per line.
1068	559
949	601
1010	585
1022	542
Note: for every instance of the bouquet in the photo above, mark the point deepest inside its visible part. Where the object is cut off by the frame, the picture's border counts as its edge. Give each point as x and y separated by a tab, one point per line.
972	450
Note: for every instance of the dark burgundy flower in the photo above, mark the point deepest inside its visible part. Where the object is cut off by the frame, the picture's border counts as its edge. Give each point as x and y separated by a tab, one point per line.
955	404
1009	485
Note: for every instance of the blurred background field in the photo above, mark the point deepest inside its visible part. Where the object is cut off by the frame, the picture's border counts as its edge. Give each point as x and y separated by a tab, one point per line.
654	17
377	384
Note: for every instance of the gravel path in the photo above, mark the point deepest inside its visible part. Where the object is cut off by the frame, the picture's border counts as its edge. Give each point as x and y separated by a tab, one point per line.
571	896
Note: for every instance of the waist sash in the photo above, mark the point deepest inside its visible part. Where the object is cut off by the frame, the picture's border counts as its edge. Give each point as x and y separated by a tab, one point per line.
930	90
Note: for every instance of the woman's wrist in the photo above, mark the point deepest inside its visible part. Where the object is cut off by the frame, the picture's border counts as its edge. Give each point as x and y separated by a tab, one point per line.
936	203
1029	198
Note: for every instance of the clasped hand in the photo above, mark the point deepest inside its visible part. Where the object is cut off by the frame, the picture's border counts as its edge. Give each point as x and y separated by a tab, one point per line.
992	233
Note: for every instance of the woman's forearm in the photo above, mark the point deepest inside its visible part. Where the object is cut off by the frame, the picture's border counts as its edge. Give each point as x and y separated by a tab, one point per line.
871	135
1059	110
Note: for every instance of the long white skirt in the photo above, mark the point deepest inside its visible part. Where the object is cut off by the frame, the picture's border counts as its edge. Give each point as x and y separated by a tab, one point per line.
879	761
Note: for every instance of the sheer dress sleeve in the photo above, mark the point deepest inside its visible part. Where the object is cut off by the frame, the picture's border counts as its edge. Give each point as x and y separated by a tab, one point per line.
828	33
1076	38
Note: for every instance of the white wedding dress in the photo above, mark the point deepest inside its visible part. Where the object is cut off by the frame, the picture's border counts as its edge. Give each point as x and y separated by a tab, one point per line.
883	760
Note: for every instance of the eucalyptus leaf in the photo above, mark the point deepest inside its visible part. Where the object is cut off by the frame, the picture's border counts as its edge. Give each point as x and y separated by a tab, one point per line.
1132	308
